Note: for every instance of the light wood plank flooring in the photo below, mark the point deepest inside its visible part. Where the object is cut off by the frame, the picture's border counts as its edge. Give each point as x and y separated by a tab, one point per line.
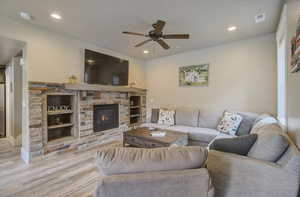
72	174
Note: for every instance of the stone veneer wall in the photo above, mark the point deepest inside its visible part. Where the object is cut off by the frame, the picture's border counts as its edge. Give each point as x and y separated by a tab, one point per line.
90	98
84	136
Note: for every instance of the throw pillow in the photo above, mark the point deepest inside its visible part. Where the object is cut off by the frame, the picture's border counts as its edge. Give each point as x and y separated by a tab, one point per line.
166	117
230	123
261	117
154	115
238	145
262	121
270	144
246	124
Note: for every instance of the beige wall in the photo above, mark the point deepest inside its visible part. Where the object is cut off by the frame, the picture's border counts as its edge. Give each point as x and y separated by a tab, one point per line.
293	79
242	77
54	57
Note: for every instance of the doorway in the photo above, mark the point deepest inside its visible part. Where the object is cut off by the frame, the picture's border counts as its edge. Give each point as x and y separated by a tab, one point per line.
2	103
11	90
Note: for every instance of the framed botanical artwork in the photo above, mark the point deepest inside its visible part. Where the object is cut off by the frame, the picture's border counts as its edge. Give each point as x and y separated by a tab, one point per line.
295	44
194	75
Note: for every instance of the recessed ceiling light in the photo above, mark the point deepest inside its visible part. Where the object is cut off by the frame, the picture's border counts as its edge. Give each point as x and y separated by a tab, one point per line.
146	51
232	28
26	16
56	16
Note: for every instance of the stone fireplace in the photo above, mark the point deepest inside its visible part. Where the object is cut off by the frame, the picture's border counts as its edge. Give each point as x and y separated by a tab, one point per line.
100	114
106	117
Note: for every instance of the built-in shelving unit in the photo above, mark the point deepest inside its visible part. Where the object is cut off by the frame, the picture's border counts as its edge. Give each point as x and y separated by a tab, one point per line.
60	117
135	109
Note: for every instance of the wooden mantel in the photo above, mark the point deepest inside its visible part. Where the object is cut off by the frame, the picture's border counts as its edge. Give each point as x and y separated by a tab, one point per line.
105	88
86	87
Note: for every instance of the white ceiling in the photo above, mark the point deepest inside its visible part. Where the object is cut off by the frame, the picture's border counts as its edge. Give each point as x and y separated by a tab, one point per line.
102	21
8	49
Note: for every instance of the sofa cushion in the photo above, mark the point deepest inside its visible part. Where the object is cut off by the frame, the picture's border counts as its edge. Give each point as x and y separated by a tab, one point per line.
270	144
230	123
166	117
187	117
246	124
290	160
261	117
197	133
238	145
154	115
134	160
208	119
261	121
155	125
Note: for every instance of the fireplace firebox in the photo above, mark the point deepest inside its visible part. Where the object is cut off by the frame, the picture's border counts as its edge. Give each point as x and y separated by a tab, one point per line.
106	117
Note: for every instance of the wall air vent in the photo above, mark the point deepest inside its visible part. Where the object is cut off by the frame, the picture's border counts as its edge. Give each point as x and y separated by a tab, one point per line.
260	18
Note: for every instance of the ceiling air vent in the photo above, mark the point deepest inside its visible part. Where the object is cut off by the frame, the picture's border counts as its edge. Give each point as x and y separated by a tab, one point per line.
260	18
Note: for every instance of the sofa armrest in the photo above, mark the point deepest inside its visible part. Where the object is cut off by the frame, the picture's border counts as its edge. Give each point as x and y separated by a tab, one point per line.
188	183
234	175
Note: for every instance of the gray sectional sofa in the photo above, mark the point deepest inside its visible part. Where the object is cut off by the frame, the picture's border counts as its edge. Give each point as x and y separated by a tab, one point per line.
260	161
200	125
270	167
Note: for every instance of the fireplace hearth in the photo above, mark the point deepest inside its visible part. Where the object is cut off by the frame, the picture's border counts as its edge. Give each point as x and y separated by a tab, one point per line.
106	117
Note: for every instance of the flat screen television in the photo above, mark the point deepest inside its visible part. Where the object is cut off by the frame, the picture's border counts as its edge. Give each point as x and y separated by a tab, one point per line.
104	69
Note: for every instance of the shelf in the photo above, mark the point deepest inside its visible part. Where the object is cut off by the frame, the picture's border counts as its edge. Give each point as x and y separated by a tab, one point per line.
135	115
59	112
60	126
135	107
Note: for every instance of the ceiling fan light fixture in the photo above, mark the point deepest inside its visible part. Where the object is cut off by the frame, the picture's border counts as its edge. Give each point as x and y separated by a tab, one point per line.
158	36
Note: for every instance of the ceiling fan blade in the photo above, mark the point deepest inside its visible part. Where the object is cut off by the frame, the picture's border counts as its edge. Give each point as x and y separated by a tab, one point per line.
163	44
176	36
159	26
132	33
142	43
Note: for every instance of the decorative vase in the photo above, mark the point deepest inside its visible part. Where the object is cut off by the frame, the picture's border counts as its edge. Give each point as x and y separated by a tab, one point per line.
73	79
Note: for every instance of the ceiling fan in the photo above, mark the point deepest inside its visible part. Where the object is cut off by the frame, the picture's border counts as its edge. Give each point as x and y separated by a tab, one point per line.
157	35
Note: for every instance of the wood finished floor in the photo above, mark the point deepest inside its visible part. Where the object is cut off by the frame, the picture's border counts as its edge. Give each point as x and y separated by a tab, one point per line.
71	174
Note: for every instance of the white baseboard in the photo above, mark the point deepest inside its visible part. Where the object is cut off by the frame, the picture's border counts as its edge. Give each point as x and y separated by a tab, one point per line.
25	156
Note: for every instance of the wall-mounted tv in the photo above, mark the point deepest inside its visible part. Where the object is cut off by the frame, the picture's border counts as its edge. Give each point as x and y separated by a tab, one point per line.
104	69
